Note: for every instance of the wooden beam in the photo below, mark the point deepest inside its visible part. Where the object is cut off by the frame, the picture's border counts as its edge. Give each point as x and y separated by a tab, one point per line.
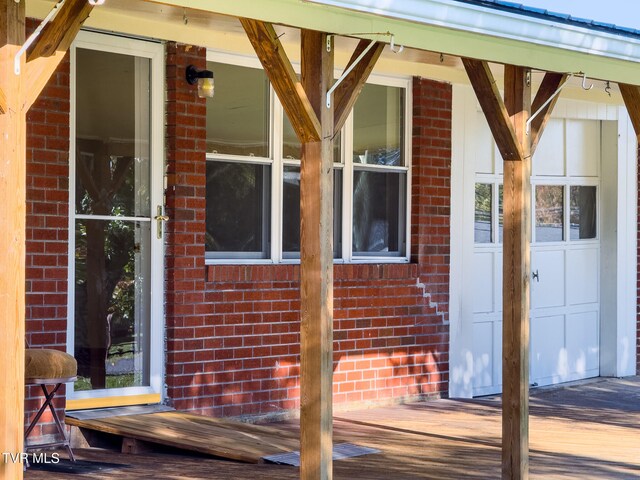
283	78
50	47
12	239
493	107
3	102
316	268
550	84
515	288
631	97
346	94
60	32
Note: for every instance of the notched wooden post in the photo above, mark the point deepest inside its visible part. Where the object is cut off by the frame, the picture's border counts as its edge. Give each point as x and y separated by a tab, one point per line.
316	267
515	288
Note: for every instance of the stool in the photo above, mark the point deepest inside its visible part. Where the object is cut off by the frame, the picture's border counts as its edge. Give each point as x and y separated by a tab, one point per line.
49	367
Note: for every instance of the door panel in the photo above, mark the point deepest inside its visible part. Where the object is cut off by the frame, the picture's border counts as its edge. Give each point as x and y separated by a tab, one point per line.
583	148
583	284
548	156
548	279
548	353
114	327
483	354
483	276
583	343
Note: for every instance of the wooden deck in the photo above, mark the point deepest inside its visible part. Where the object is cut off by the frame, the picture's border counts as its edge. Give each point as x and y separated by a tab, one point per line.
590	431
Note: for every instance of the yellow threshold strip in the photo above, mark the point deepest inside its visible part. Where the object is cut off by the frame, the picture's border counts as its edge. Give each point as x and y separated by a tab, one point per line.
104	402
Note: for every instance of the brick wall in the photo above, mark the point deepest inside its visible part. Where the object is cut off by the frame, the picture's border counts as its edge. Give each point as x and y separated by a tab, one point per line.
47	225
387	338
233	340
189	338
431	189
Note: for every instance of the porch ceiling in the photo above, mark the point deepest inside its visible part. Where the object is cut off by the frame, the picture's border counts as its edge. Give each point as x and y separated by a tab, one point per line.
438	38
213	24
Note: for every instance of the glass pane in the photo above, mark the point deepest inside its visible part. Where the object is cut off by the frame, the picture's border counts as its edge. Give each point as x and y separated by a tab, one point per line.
337	213
483	218
112	272
378	119
378	212
112	134
500	213
237	215
292	149
549	213
583	213
291	209
291	212
337	148
238	117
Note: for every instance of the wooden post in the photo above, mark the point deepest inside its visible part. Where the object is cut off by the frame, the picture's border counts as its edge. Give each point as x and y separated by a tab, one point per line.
315	124
515	289
17	94
12	239
316	267
507	121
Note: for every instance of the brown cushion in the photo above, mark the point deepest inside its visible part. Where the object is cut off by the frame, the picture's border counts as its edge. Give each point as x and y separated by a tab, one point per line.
47	363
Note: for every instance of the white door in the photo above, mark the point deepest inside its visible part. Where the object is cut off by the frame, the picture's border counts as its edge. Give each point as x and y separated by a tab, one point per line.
565	254
565	258
115	266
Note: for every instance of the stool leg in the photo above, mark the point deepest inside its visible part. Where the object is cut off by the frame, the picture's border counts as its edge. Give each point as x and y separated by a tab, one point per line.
61	429
48	402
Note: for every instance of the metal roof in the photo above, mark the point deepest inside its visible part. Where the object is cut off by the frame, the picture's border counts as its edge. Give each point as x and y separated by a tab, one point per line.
564	18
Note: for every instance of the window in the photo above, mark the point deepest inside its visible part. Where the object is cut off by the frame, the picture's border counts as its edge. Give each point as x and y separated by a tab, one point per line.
239	170
565	213
379	176
583	212
483	217
549	213
488	209
253	172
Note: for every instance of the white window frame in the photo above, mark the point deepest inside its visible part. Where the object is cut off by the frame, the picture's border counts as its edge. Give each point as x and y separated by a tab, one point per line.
278	162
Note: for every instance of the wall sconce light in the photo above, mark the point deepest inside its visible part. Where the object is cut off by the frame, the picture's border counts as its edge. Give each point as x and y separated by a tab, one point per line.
204	79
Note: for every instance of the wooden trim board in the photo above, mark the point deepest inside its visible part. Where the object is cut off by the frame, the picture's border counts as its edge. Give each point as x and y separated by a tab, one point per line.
105	402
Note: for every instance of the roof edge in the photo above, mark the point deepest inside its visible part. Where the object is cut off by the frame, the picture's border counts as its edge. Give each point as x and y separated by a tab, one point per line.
502	23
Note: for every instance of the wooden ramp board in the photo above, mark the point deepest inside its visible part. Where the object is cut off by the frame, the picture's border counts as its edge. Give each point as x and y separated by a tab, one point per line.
212	436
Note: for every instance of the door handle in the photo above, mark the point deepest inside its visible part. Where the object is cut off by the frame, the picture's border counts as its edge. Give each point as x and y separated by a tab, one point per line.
535	276
160	218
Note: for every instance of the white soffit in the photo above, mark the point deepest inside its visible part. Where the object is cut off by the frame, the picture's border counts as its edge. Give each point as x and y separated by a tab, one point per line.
497	23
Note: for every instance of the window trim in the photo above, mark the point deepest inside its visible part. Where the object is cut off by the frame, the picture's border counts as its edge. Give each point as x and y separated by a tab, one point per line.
347	165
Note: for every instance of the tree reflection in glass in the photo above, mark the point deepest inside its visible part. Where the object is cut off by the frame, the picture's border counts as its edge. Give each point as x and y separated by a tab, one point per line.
549	213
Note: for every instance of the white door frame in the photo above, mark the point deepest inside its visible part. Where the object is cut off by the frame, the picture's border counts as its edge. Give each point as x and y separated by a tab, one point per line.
619	248
154	52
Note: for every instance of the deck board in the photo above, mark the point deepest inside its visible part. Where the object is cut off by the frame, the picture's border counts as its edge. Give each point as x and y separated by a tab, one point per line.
212	436
591	431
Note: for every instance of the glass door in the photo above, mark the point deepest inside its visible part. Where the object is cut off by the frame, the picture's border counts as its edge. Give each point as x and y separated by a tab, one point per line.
116	222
